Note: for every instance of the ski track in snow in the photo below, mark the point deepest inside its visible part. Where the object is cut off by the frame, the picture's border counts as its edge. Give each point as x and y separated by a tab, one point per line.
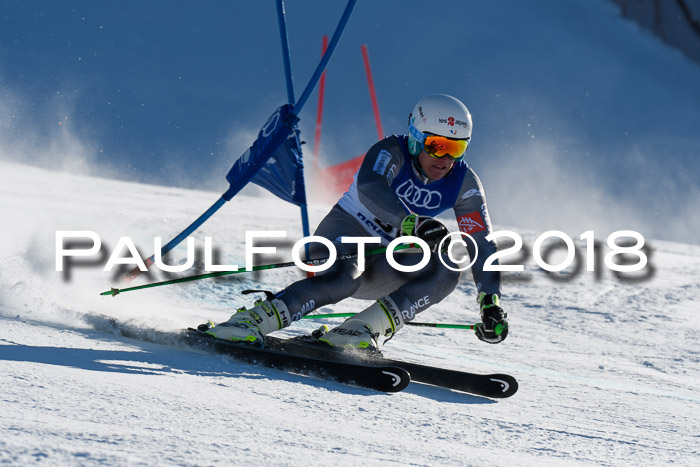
608	368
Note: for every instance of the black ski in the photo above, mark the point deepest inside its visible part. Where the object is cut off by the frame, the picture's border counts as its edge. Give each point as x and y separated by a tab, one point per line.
494	386
302	355
373	375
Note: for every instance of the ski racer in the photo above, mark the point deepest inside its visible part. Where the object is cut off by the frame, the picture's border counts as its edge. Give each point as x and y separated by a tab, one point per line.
403	183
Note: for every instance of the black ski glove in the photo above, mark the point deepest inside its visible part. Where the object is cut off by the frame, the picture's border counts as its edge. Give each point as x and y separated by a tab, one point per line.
426	228
494	328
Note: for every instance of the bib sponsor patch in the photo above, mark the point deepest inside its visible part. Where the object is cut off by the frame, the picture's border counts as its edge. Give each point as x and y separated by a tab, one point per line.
382	162
471	223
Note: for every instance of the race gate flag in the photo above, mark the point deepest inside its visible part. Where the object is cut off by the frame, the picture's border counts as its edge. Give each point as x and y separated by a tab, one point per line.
283	174
273	161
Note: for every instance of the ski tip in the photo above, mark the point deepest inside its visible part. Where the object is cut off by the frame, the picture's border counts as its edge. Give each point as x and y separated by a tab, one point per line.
394	379
506	384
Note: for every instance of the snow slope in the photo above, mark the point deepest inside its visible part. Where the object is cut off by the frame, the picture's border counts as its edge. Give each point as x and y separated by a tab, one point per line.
608	367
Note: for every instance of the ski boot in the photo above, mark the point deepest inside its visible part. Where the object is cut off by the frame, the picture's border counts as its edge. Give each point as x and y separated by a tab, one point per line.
253	325
363	330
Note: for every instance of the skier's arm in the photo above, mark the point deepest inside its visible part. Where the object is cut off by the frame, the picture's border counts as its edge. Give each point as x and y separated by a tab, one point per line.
473	219
381	164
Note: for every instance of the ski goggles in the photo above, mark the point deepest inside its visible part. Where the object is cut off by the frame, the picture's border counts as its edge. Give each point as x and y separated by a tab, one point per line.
439	146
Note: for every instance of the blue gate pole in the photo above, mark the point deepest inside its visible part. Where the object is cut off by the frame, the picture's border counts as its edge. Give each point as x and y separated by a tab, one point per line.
286	57
179	238
314	78
295	111
326	57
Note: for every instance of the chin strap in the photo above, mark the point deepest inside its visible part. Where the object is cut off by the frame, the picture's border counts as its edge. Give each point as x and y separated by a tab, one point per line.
419	170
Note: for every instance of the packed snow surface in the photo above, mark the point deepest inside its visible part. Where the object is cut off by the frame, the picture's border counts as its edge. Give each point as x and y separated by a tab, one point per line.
582	122
607	365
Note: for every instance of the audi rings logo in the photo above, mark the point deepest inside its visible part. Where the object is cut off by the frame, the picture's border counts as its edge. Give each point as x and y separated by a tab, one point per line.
418	197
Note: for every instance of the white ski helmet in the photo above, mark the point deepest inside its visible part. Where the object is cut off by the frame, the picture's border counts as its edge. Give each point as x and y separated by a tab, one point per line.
439	114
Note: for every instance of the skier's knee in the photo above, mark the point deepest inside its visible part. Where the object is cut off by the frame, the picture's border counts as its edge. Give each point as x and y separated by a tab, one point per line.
452	279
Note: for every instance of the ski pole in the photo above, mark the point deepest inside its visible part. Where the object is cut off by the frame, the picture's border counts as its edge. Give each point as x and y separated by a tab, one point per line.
409	323
312	262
